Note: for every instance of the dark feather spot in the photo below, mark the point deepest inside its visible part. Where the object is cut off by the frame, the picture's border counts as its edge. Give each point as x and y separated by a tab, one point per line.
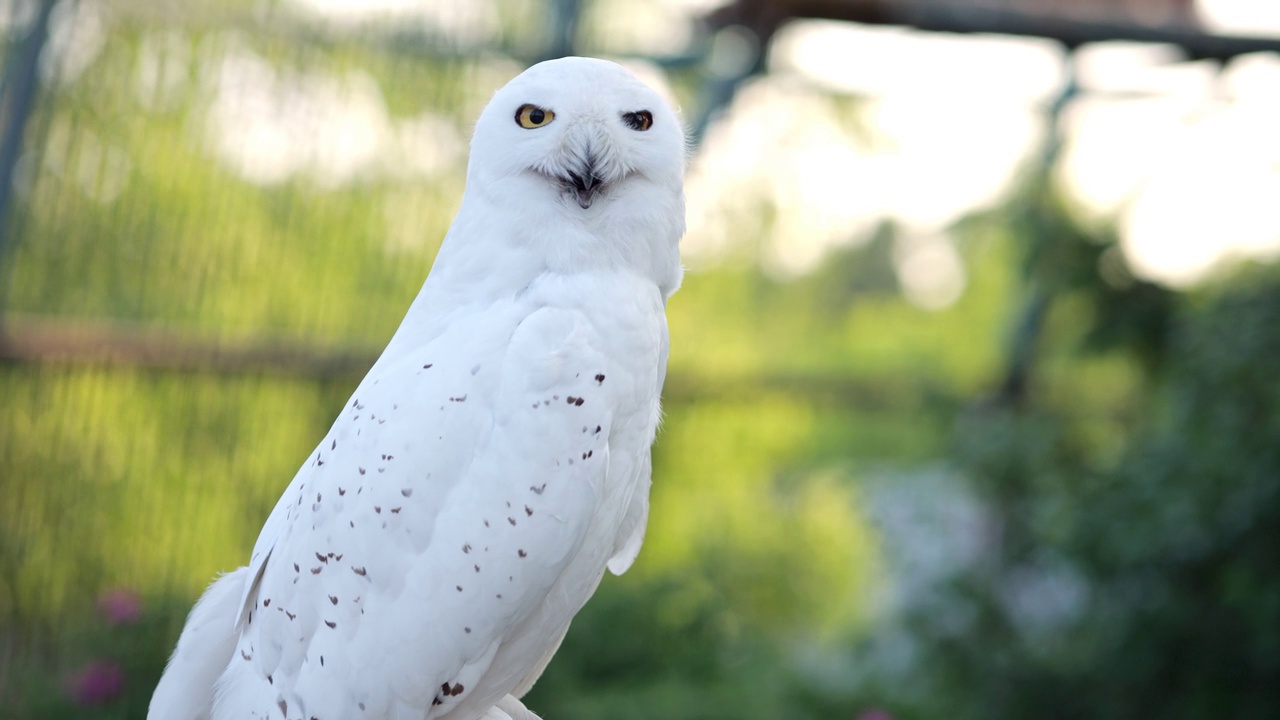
331	624
406	492
600	379
359	571
316	570
522	553
333	600
528	511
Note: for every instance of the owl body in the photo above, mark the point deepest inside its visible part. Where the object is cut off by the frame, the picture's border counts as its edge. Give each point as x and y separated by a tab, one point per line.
427	558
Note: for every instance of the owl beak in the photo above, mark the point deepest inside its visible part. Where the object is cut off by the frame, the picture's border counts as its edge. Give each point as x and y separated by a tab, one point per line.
584	183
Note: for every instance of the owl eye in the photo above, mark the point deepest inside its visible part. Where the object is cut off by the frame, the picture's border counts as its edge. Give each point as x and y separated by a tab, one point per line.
641	120
532	116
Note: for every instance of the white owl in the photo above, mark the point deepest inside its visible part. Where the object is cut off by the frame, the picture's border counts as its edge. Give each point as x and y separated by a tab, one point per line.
429	555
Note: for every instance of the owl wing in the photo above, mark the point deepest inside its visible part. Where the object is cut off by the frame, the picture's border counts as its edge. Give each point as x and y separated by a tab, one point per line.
435	516
631	535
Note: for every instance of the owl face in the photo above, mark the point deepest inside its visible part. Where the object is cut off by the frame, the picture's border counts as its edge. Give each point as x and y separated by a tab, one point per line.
585	131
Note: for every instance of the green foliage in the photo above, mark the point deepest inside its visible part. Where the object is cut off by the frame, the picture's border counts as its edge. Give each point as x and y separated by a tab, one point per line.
1122	583
93	665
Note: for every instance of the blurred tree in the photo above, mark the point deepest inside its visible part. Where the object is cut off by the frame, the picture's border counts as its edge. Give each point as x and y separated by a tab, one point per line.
1139	583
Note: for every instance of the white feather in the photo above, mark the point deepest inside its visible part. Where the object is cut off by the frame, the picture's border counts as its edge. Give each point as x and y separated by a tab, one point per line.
208	640
428	557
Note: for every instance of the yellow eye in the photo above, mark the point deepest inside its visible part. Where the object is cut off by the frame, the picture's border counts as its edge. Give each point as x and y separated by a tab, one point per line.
532	116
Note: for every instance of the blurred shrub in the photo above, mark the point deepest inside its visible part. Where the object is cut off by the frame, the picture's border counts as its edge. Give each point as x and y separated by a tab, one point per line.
1144	583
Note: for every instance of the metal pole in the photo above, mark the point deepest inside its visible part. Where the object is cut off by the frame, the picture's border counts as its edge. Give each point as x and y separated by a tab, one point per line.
564	30
16	102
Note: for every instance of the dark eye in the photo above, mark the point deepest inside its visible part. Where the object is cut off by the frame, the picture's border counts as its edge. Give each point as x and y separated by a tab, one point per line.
641	120
532	116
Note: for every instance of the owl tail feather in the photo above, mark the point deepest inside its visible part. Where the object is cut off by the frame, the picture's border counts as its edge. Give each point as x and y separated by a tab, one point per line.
204	650
509	708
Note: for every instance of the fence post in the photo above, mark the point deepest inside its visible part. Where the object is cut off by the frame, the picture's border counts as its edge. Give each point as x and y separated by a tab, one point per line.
17	98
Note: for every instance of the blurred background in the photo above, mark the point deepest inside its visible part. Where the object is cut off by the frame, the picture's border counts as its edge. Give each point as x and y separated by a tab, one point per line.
974	401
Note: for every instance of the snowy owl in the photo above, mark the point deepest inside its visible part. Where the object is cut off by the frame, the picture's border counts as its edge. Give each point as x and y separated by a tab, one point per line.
428	557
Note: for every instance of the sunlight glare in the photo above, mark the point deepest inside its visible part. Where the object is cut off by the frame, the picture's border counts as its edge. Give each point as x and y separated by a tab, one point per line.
1240	17
930	271
1186	161
471	22
855	125
268	126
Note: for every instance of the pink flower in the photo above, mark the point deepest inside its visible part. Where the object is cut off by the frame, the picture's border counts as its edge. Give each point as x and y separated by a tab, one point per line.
120	606
874	714
96	683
